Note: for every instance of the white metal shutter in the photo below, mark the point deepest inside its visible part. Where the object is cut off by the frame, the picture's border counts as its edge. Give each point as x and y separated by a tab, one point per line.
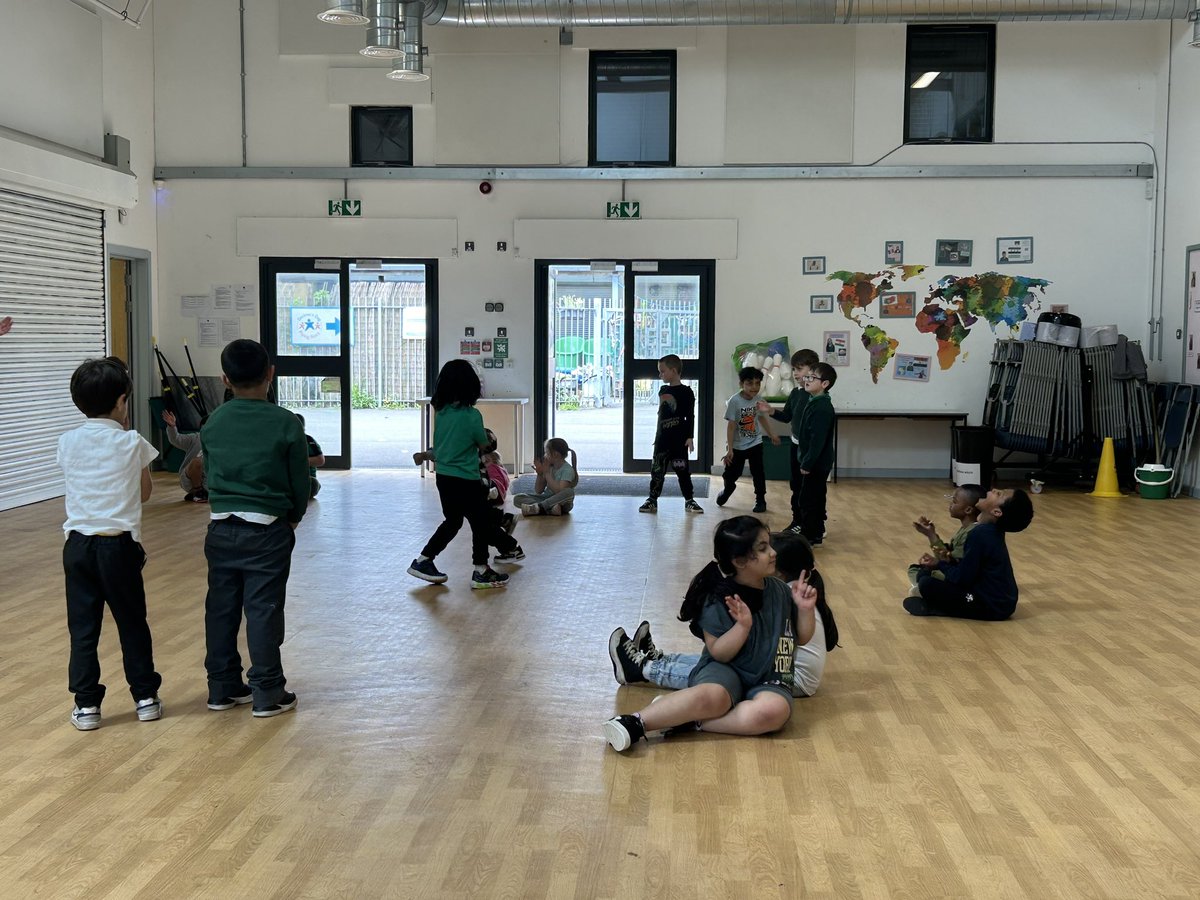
52	284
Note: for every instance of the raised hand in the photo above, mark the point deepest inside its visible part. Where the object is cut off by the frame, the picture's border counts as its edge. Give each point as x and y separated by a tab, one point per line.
804	595
739	611
927	561
169	418
925	527
763	406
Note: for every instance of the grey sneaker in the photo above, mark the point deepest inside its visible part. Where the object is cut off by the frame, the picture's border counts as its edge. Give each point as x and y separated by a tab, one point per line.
86	718
627	659
650	506
149	709
644	643
242	697
426	571
693	507
286	702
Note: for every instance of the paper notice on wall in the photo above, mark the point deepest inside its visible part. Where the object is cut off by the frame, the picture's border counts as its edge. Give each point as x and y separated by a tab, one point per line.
245	299
231	330
208	332
194	305
222	297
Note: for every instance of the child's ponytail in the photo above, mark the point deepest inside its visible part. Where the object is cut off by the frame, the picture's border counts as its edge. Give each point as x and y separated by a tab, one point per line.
734	539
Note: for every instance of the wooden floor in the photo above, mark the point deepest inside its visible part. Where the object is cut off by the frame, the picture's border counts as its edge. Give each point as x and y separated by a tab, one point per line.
447	743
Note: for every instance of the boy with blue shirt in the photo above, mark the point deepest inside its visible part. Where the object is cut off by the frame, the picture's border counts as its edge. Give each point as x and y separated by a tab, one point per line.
743	439
256	467
107	480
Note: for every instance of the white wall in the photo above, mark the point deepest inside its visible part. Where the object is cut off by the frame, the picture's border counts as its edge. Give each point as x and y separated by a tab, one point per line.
1093	82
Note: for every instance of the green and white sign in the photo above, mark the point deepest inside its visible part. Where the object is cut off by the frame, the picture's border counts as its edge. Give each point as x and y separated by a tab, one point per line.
625	209
500	348
345	207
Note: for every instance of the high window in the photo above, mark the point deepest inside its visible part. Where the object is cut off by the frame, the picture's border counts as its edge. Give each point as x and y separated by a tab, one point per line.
950	83
381	136
631	109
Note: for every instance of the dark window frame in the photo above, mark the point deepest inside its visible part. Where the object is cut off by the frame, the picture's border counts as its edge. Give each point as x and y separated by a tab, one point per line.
356	113
596	56
925	31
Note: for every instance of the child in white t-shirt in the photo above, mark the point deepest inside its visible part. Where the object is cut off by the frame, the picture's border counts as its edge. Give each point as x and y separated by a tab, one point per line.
105	466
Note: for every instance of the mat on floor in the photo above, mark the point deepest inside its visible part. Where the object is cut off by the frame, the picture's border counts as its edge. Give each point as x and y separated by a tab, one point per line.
617	485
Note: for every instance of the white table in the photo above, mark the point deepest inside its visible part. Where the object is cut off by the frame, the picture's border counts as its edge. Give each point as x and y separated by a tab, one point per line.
504	415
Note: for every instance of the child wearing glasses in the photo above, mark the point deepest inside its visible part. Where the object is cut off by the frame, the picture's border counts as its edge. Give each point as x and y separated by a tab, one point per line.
814	450
802	363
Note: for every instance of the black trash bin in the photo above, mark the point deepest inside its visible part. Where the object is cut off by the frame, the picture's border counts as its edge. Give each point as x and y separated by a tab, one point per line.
972	449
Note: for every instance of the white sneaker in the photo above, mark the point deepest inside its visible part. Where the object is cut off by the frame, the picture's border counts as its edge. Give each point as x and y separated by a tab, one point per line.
149	709
531	509
86	718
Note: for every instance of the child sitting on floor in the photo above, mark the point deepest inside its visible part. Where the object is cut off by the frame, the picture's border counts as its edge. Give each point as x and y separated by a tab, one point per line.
962	508
554	490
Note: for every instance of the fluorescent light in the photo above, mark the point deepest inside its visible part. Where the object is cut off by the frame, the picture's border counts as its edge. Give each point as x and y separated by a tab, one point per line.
925	80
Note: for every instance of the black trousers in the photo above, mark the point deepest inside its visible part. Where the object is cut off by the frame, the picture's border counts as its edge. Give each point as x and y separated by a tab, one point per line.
945	599
466	498
795	477
811	505
677	459
733	471
103	570
248	568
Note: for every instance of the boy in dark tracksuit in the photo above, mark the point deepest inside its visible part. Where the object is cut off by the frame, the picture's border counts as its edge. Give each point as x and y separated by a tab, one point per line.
802	363
256	468
982	584
814	451
674	438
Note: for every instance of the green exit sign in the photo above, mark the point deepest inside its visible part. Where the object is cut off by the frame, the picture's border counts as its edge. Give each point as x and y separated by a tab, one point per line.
345	207
625	209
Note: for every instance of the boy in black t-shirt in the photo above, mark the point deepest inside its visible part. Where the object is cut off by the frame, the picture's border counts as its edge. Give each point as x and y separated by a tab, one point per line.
673	439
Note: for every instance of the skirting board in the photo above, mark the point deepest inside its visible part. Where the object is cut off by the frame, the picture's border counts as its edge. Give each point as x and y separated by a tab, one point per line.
866	472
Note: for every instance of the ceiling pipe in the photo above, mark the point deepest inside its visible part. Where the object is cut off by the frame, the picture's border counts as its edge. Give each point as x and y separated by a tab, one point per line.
344	12
569	13
409	66
383	30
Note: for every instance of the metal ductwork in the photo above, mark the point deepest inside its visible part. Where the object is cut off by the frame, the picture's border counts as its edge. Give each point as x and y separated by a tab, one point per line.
568	13
1194	17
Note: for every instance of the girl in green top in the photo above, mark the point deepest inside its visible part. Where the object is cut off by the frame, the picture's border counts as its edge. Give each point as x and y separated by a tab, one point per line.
458	436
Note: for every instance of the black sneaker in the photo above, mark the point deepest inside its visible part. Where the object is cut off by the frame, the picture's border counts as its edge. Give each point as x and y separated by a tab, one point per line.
622	732
488	578
508	522
724	496
511	556
285	703
693	507
650	506
627	659
427	571
245	695
760	506
644	643
795	528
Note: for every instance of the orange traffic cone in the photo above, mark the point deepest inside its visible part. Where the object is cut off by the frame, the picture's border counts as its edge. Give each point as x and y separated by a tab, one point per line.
1106	472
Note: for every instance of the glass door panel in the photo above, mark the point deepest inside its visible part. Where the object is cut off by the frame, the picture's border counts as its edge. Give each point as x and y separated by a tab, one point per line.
319	402
645	411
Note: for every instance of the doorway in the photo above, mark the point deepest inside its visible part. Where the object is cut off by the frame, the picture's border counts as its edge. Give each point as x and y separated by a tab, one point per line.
354	344
597	364
127	308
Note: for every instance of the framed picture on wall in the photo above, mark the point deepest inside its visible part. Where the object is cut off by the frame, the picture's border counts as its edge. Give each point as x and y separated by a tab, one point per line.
814	265
898	305
820	303
835	348
911	368
951	252
1014	250
893	253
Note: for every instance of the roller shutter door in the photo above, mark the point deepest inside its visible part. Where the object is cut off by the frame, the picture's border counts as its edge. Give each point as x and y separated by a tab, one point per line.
52	284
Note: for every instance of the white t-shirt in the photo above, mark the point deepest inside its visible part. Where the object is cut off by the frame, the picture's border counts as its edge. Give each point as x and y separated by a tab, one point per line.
103	466
810	661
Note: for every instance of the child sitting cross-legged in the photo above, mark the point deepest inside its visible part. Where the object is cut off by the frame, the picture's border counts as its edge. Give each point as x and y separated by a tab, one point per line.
636	659
748	620
554	491
962	508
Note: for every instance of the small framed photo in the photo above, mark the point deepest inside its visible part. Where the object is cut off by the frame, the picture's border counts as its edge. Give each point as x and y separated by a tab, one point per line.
893	253
814	265
1014	250
836	348
898	305
953	252
911	368
820	303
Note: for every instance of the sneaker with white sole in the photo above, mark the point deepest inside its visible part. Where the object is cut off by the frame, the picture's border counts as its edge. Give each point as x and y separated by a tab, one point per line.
644	643
149	709
622	732
693	507
531	509
627	660
650	506
86	718
511	556
509	523
283	704
487	579
427	571
240	698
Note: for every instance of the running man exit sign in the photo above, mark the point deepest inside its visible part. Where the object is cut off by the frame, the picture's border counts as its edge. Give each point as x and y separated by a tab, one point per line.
625	209
345	207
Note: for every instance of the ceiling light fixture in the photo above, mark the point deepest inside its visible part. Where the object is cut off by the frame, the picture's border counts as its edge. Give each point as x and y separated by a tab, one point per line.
383	29
408	66
344	12
925	80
